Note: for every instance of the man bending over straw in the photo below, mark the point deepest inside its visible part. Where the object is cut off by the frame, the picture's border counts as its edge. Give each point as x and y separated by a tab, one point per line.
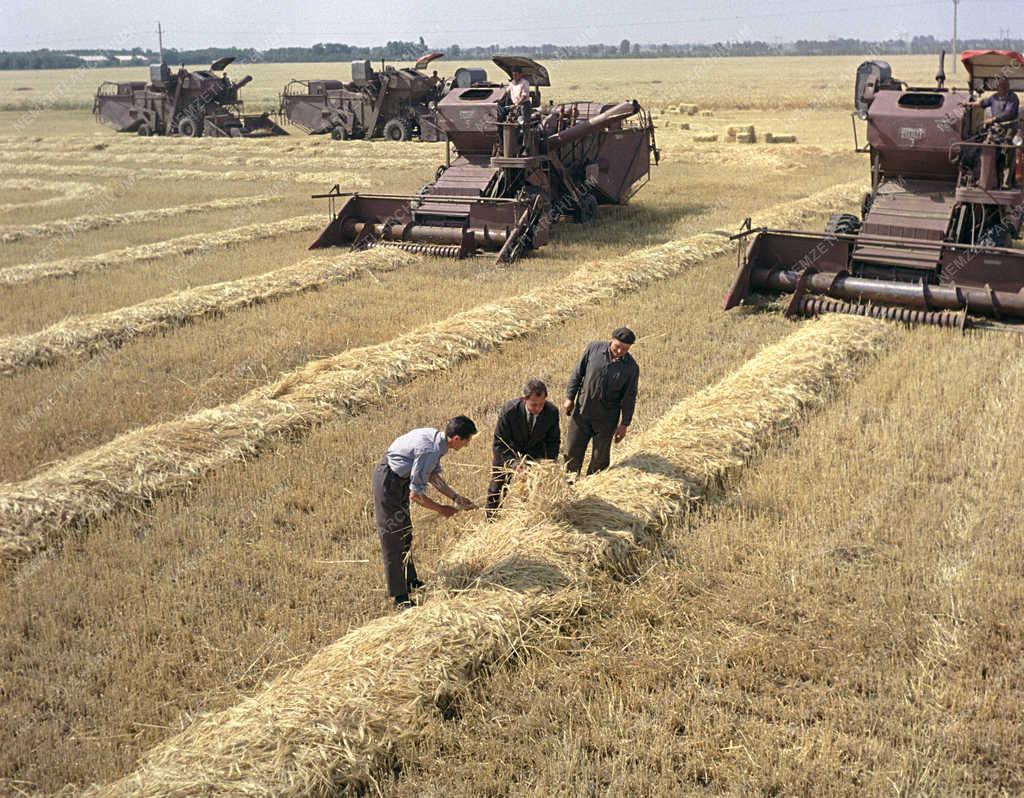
412	462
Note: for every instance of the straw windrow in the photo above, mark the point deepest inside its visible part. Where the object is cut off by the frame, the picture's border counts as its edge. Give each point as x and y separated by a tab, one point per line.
94	221
66	191
182	245
353	707
83	336
155	173
142	464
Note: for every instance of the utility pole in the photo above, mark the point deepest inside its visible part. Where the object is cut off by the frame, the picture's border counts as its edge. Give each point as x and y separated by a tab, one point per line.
956	51
160	40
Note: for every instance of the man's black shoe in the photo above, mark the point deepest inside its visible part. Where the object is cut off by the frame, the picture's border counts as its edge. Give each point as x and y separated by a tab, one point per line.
403	602
414	584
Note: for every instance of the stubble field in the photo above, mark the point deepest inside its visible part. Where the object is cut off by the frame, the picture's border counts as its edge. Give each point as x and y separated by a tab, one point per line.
830	605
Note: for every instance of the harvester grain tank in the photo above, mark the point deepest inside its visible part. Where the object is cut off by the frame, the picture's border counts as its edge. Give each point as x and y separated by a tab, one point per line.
516	170
182	103
932	243
396	104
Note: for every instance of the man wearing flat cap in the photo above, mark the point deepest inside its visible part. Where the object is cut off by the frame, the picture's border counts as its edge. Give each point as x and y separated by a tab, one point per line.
600	400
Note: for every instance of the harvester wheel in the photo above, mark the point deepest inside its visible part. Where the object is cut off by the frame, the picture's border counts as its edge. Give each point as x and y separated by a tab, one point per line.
338	133
587	211
144	130
187	127
397	130
865	204
842	224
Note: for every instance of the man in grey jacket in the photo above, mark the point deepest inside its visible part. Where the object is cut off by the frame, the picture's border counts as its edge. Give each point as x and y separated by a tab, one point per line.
600	400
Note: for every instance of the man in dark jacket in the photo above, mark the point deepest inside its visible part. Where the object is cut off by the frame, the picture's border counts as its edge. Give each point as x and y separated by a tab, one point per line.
600	400
527	429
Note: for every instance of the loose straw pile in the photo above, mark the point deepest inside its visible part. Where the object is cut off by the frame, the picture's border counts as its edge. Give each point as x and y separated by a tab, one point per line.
94	221
83	336
142	464
182	245
348	713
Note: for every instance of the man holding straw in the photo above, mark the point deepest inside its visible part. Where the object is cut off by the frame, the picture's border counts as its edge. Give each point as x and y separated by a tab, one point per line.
412	462
600	400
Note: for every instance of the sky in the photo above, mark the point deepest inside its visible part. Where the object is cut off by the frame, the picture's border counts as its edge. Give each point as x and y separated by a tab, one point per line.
62	24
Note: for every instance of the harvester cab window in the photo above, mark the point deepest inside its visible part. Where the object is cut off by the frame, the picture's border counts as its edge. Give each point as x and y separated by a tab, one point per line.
922	100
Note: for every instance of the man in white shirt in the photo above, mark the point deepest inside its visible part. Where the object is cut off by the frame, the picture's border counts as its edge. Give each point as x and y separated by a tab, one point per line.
518	89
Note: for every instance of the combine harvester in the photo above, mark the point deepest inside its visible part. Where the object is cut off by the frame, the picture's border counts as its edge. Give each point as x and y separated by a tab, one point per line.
933	242
516	171
396	104
183	103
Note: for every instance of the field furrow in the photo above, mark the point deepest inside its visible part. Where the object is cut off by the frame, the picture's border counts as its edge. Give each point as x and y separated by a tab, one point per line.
153	460
528	575
183	245
95	221
86	335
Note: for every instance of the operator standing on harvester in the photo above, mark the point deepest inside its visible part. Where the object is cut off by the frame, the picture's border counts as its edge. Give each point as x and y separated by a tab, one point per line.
1004	104
600	400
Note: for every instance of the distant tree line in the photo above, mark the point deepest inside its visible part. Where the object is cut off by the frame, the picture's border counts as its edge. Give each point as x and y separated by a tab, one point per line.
410	51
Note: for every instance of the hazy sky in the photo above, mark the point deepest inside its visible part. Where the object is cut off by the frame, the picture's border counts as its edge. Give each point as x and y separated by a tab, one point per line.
192	23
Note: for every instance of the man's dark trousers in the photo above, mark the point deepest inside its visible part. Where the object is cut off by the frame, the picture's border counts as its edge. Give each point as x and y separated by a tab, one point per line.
584	428
394	527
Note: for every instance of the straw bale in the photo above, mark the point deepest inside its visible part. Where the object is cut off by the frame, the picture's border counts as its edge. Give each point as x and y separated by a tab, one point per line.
746	138
350	710
779	138
66	191
706	137
83	336
684	125
93	221
707	113
182	245
139	465
732	131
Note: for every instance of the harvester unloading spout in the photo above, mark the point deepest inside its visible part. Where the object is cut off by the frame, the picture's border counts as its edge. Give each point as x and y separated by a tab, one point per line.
516	170
933	242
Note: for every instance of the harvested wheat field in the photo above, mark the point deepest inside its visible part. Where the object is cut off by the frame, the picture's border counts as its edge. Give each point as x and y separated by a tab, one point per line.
802	574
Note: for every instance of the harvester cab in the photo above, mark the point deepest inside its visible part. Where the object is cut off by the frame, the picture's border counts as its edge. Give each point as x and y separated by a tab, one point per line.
932	241
514	172
184	103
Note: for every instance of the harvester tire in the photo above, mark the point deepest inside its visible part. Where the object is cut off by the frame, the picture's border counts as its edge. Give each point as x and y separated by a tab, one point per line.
187	127
865	204
397	130
144	130
586	213
842	224
338	133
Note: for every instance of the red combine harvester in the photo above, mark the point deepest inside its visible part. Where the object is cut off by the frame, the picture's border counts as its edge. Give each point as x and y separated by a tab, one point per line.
517	170
182	103
932	244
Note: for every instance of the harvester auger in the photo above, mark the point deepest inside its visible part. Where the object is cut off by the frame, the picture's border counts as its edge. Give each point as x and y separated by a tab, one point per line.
516	171
183	103
932	244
